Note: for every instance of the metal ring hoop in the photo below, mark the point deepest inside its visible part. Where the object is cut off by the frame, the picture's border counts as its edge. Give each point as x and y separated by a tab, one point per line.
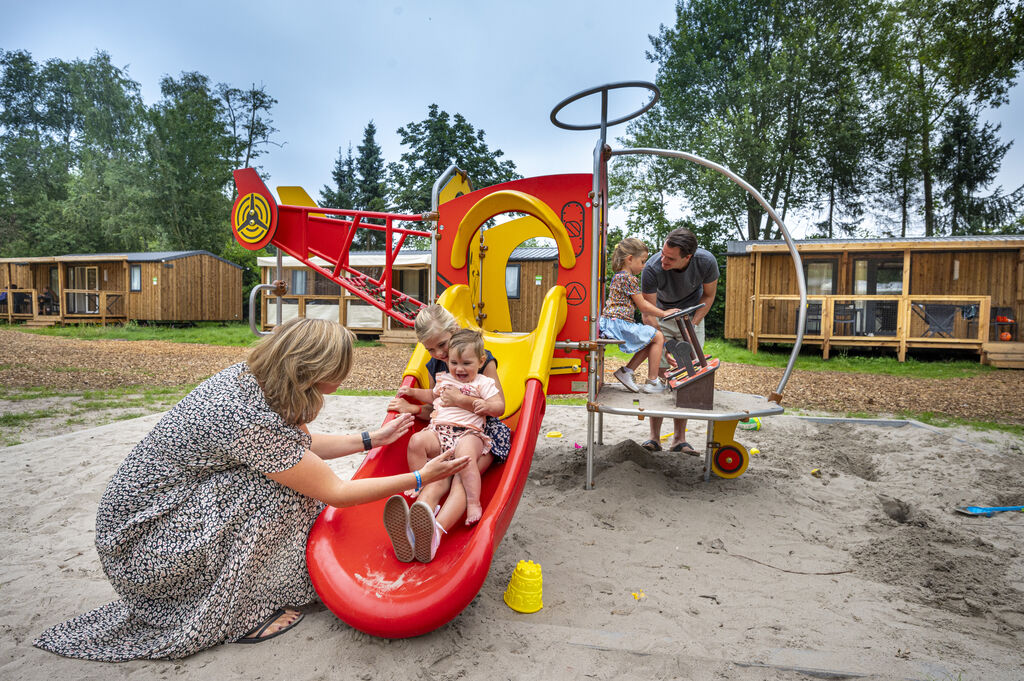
604	89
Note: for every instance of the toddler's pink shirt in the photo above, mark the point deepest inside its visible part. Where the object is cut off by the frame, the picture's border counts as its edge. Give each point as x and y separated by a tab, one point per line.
482	386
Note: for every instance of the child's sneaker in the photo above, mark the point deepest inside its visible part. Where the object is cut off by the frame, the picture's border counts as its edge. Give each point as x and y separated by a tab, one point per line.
396	522
624	375
426	530
655	386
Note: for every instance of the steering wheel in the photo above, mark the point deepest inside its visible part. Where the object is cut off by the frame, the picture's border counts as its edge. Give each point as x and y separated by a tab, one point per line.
604	90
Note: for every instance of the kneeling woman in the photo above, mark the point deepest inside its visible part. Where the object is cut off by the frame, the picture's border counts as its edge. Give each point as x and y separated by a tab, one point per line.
202	531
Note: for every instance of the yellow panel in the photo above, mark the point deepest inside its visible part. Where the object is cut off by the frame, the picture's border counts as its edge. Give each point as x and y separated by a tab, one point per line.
501	241
456	187
520	357
297	196
505	201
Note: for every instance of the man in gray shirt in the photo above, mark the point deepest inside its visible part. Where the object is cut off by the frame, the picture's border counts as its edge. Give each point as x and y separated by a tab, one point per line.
681	275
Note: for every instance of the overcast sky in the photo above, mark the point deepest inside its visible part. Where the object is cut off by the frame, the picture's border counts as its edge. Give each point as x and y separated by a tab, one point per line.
334	66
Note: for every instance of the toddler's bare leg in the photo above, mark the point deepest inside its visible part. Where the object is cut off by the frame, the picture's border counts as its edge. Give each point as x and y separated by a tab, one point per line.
472	447
423	445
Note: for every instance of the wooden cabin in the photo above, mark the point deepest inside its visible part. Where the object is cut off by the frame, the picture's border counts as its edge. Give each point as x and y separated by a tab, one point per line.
942	292
116	287
528	276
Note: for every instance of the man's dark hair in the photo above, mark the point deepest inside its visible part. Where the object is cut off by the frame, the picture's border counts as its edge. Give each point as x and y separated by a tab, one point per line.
683	239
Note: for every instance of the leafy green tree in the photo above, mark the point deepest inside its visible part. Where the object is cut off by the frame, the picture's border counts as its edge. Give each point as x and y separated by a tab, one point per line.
247	114
968	160
941	52
69	135
371	187
191	151
742	84
434	144
343	193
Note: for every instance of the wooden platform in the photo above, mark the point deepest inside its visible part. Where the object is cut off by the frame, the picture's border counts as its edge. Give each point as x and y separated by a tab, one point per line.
1003	355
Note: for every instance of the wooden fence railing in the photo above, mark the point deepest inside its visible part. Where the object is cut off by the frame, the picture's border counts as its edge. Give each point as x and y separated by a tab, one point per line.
896	321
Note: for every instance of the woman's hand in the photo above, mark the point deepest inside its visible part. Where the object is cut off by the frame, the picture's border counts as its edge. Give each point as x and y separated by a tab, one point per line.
392	430
441	467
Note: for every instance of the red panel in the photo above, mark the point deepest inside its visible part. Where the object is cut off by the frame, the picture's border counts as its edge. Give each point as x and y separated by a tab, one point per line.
567	195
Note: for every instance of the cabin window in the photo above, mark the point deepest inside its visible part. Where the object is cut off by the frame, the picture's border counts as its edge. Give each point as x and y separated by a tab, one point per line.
512	281
820	278
298	282
878	277
54	279
136	278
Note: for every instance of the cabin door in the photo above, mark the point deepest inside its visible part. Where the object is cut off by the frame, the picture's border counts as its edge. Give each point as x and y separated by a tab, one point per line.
82	279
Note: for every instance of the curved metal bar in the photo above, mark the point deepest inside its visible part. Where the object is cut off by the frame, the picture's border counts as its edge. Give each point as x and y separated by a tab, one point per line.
802	313
252	308
604	89
435	201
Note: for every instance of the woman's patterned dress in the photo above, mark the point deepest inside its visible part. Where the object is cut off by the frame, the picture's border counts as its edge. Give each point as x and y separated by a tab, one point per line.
198	542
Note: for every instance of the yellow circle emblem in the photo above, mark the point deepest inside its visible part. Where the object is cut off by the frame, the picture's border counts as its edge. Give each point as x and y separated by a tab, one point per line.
252	218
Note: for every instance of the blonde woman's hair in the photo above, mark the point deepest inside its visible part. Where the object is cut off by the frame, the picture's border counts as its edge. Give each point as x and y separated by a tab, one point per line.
628	246
467	339
289	363
432	321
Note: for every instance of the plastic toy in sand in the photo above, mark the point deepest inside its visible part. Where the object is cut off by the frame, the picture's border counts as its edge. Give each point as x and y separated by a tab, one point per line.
524	589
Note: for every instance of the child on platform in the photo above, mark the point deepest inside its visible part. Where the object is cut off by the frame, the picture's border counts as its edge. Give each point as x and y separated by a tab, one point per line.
435	328
617	317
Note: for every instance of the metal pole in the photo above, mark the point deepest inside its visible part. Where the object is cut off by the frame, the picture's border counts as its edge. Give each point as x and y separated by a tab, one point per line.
597	206
280	277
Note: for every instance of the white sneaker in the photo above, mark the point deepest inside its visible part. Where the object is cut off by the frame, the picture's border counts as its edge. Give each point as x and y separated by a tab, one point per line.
427	532
655	386
624	375
396	522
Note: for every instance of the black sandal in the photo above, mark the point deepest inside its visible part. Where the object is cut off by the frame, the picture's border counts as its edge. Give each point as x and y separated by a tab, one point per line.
684	448
651	445
256	635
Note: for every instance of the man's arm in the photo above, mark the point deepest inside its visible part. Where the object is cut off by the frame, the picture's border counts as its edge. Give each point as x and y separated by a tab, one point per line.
707	298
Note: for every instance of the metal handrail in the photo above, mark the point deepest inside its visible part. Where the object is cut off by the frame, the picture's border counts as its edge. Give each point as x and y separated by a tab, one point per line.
253	295
801	283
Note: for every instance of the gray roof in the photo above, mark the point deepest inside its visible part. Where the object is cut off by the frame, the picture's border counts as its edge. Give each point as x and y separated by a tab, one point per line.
1012	241
538	253
153	256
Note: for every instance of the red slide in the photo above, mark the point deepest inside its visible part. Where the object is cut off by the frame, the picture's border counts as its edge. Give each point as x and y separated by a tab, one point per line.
353	566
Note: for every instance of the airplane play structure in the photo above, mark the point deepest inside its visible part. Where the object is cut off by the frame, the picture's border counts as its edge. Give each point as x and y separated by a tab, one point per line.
350	559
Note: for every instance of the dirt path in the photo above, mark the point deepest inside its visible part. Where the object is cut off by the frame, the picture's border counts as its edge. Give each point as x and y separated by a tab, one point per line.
74	366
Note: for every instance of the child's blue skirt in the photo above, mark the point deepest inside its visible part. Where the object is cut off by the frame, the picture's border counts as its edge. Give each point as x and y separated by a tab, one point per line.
634	337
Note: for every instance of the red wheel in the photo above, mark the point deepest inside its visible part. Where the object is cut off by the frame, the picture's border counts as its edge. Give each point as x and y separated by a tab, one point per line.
729	461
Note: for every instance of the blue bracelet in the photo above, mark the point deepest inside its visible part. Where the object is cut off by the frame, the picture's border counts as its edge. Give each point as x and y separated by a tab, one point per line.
419	480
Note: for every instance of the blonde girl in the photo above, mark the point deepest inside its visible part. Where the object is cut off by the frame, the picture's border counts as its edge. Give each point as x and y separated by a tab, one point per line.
617	318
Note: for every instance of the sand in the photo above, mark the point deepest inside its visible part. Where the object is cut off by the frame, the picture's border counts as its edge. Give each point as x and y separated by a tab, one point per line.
864	572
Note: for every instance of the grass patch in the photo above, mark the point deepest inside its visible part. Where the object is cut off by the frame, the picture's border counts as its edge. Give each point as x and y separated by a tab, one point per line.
945	421
566	401
361	392
19	419
233	334
847	360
